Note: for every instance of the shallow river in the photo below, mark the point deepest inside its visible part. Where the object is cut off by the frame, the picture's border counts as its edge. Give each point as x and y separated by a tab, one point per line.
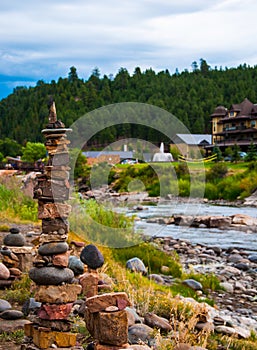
211	237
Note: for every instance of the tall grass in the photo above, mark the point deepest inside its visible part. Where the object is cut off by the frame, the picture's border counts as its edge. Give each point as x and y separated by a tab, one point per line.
101	225
14	204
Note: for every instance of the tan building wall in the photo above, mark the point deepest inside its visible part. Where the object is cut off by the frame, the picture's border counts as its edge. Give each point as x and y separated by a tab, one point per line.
110	159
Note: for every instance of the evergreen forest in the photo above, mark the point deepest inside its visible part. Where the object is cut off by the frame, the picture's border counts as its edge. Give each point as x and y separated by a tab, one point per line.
190	96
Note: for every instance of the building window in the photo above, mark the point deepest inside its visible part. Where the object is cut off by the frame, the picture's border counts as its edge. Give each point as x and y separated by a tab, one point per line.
231	114
253	123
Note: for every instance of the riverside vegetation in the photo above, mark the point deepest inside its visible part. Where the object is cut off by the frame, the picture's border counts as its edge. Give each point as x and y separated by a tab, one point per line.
146	295
221	180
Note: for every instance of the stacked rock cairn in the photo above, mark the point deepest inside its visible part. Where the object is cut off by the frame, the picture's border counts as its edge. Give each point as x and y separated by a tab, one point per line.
55	287
105	315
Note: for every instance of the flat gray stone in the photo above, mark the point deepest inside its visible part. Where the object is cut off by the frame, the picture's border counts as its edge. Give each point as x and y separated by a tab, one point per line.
51	275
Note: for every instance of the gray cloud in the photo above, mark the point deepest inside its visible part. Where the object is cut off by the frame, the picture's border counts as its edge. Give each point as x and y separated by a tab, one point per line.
43	39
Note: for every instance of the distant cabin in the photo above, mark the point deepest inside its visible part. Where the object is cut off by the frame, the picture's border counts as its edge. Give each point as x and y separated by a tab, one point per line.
190	145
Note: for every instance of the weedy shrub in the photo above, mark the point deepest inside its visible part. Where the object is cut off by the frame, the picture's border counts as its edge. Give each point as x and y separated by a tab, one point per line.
16	336
216	172
19	291
229	188
4	228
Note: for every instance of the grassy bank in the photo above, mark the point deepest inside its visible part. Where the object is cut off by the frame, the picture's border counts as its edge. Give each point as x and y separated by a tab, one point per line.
14	205
228	181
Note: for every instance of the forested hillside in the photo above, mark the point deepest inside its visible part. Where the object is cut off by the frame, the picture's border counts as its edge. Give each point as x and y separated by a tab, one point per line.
190	96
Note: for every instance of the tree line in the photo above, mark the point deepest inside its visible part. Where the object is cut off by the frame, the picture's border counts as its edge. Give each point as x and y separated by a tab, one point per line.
190	96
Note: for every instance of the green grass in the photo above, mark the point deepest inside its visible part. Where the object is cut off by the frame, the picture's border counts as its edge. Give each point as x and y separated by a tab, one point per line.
152	257
13	336
14	204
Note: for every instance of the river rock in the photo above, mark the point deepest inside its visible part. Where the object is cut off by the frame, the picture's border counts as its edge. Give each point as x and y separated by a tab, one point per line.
220	221
140	333
136	265
195	285
11	314
242	266
30	305
4	305
243	219
4	272
51	275
155	321
133	317
53	248
227	286
92	257
14	238
235	258
253	258
225	330
156	278
76	265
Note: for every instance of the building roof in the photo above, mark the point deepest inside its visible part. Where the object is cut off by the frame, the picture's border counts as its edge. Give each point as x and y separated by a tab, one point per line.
243	108
219	111
194	139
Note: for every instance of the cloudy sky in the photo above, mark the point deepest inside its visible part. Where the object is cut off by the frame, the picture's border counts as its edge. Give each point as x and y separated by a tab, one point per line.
42	39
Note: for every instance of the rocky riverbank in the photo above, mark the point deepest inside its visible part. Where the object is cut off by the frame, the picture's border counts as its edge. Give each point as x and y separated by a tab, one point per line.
237	271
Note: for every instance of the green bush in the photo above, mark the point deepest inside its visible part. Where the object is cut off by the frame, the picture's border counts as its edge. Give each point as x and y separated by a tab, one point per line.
218	171
152	257
211	191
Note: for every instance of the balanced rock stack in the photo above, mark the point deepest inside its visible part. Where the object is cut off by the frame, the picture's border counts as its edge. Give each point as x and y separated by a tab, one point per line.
55	289
16	252
107	321
93	259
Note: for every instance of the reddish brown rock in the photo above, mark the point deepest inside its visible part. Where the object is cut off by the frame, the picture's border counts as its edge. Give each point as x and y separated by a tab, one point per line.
54	224
220	221
61	260
155	321
89	283
58	294
15	272
101	302
108	328
53	210
54	311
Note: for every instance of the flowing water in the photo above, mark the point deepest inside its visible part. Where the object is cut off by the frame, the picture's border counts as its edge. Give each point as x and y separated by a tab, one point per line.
207	236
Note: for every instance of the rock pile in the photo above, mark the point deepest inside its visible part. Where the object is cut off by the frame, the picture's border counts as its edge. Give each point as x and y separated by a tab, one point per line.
107	320
240	222
93	259
55	289
236	311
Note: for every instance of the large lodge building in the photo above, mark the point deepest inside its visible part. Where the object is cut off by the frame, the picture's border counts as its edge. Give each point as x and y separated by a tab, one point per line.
236	125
